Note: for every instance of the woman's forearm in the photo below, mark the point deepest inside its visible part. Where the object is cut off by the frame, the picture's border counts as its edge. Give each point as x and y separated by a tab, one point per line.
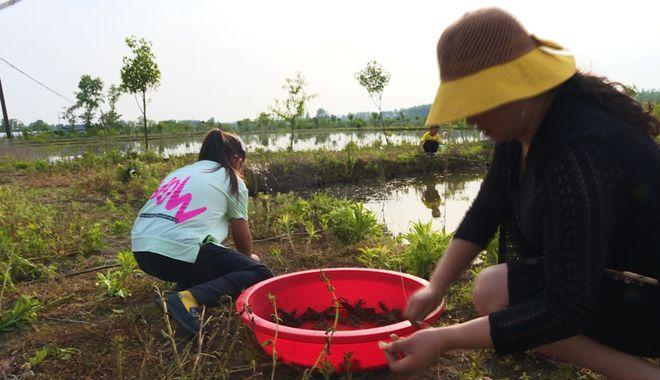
469	335
240	232
458	257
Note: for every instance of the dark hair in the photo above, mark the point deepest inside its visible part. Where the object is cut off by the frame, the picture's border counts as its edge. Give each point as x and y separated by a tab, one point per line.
612	96
221	147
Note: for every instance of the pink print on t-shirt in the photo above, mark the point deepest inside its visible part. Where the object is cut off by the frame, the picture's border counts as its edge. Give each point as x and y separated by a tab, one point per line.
172	192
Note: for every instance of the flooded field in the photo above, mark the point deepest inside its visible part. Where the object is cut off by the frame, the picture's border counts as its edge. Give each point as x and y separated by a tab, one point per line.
304	141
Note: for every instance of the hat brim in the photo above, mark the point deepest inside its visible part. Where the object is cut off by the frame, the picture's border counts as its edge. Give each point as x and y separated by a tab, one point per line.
531	74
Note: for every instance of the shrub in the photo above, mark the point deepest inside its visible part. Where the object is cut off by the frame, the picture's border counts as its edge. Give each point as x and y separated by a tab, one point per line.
424	249
114	282
352	223
379	257
91	237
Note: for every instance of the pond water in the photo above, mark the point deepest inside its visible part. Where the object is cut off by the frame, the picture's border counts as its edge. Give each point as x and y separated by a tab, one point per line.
441	200
262	141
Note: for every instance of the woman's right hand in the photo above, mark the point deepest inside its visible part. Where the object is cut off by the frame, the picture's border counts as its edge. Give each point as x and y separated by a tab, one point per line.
422	303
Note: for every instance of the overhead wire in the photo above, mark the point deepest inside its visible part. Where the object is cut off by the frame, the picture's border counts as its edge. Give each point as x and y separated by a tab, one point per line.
37	81
12	89
10	86
8	72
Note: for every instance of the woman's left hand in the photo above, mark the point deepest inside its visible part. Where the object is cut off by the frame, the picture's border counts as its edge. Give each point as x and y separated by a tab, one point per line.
416	352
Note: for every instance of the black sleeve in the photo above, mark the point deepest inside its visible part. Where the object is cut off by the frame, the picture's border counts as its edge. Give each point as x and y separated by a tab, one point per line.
491	205
581	199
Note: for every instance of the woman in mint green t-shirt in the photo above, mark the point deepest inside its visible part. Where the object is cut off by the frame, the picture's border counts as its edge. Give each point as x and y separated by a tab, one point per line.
178	233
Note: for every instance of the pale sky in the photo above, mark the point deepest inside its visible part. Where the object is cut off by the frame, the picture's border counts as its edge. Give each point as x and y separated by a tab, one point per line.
229	59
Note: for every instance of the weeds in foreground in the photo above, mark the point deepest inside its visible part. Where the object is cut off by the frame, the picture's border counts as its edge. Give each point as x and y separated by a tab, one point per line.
322	363
211	354
169	332
288	228
380	257
348	221
312	234
276	254
24	311
424	249
59	353
21	315
276	318
114	281
353	223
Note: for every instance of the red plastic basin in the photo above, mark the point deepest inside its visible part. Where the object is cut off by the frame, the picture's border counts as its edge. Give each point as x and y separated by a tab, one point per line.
299	346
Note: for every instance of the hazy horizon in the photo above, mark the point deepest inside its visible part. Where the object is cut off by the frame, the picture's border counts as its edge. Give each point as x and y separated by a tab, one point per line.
229	60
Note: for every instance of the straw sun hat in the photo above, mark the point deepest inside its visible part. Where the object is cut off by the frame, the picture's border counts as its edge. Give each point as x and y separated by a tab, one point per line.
487	59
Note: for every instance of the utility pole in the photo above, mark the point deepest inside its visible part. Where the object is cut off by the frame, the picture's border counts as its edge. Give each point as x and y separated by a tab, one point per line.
5	118
8	3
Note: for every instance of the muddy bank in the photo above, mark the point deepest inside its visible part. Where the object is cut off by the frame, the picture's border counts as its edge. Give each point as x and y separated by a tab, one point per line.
293	172
265	171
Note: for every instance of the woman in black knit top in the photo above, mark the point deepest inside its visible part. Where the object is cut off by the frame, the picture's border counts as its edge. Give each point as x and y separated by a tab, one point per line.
574	191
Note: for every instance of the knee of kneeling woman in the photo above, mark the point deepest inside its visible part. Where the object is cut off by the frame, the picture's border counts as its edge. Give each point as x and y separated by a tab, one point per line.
265	272
489	294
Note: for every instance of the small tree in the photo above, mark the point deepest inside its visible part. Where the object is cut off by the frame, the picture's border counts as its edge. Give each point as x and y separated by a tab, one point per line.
70	116
139	74
39	126
111	118
264	121
293	107
89	98
322	114
374	78
402	117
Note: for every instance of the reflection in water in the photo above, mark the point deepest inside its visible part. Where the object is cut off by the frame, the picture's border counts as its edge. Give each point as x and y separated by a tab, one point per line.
262	141
431	199
401	204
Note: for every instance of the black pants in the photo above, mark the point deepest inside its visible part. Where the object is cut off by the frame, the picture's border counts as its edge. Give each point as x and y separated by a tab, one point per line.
217	271
431	146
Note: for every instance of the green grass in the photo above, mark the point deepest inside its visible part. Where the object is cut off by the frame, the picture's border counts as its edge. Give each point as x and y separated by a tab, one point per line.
61	218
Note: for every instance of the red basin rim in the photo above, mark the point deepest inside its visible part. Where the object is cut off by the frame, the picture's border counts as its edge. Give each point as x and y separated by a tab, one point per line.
315	336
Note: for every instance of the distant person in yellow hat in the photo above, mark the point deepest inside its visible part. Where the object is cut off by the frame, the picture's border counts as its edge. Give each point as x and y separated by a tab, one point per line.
431	140
574	190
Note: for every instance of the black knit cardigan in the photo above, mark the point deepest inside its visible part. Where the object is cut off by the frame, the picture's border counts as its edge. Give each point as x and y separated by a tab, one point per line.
589	199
